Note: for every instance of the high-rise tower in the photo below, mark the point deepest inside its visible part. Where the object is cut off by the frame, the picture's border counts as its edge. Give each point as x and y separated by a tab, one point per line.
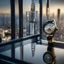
58	15
27	22
32	19
32	6
47	9
58	20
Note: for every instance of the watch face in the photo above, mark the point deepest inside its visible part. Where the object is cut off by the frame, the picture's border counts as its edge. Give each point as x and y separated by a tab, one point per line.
49	28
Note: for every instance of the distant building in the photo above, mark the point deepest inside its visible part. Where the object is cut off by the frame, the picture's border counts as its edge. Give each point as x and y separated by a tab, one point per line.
58	19
27	21
47	10
5	21
31	19
58	15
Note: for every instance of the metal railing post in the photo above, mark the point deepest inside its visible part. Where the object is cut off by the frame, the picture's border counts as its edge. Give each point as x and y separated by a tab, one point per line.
21	26
20	18
40	2
12	3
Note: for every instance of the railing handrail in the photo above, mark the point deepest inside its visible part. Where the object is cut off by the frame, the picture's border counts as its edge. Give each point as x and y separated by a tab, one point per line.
55	44
18	40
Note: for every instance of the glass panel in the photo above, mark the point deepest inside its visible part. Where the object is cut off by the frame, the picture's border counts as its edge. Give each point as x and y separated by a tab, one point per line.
6	50
59	56
57	13
54	10
27	52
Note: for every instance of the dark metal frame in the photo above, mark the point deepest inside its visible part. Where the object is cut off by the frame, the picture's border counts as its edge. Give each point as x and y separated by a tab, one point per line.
12	42
16	41
20	18
12	2
20	2
19	40
40	2
56	44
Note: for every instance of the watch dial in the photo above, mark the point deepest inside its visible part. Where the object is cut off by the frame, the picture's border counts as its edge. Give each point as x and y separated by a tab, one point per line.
49	28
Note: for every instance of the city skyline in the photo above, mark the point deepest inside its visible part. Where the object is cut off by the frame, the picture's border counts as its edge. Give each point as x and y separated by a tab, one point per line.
28	8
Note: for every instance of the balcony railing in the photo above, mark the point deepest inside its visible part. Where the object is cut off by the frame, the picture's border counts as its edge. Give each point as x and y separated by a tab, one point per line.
12	59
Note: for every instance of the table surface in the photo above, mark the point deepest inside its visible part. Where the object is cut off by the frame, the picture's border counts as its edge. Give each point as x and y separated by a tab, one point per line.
27	53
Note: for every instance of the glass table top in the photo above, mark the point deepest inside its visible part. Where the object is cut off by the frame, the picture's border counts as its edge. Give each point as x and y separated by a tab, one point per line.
27	52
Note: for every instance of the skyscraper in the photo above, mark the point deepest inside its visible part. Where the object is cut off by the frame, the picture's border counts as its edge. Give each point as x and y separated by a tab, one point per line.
32	18
47	10
58	15
32	6
59	23
27	21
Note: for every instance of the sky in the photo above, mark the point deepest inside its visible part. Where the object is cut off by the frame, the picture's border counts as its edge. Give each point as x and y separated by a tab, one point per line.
54	5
